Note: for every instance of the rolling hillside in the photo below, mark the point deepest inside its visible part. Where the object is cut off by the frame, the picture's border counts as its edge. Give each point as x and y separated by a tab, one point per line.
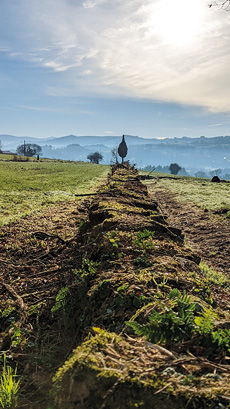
194	154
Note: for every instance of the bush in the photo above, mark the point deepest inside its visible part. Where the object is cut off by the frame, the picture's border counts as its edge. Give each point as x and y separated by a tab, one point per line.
95	157
174	168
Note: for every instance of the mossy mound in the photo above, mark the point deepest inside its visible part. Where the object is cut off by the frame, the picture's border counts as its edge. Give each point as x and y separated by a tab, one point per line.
159	337
110	371
124	204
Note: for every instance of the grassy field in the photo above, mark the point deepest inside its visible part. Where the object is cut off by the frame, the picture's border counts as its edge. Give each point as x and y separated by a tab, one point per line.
30	185
202	192
27	186
6	158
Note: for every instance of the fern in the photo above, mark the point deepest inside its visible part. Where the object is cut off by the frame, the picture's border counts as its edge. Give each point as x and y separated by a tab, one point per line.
217	342
138	328
60	300
174	293
205	322
172	324
176	323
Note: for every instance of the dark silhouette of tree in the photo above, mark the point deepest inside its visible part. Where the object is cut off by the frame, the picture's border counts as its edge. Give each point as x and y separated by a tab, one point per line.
0	146
174	168
29	149
122	149
95	157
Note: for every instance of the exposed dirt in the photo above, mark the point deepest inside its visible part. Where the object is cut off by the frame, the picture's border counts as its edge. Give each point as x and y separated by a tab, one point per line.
35	259
34	251
205	232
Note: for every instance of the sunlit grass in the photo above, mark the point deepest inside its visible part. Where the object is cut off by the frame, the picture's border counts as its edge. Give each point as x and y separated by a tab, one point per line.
214	276
6	158
28	186
9	387
202	192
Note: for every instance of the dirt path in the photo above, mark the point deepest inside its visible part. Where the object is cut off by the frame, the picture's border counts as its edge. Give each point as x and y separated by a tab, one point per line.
207	233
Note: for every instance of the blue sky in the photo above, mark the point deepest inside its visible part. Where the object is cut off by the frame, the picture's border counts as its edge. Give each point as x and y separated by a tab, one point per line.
158	68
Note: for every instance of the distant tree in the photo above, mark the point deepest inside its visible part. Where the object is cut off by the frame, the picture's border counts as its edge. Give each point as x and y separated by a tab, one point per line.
95	157
29	149
174	168
200	174
149	168
162	169
183	172
215	172
0	146
114	153
122	149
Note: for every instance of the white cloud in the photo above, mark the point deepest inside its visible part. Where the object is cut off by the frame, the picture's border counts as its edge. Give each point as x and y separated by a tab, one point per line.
120	48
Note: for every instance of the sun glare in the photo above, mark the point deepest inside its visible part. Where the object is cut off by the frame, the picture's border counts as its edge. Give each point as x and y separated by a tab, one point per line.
177	22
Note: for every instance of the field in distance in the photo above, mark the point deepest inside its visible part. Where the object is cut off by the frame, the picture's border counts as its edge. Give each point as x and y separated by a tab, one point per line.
31	185
201	209
204	193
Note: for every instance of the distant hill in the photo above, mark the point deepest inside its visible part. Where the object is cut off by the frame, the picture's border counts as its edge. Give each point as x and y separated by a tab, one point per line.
191	153
95	140
11	141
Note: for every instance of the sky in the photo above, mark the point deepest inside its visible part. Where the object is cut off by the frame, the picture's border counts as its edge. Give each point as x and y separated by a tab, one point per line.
152	68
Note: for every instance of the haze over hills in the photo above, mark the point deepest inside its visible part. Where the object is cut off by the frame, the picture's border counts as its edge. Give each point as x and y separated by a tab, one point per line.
12	141
203	154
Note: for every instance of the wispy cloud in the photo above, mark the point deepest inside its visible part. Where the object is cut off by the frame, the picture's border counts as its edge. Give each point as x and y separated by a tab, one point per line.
39	108
215	125
4	49
117	48
88	4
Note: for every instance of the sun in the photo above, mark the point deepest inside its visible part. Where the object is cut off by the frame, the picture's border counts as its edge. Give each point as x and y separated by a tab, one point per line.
177	22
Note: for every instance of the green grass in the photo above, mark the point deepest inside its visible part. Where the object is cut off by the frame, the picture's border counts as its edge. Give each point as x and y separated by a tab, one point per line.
28	186
214	276
202	192
9	387
6	158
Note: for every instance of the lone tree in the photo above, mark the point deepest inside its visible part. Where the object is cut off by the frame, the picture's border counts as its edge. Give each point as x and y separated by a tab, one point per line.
122	149
174	168
29	149
0	146
95	157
